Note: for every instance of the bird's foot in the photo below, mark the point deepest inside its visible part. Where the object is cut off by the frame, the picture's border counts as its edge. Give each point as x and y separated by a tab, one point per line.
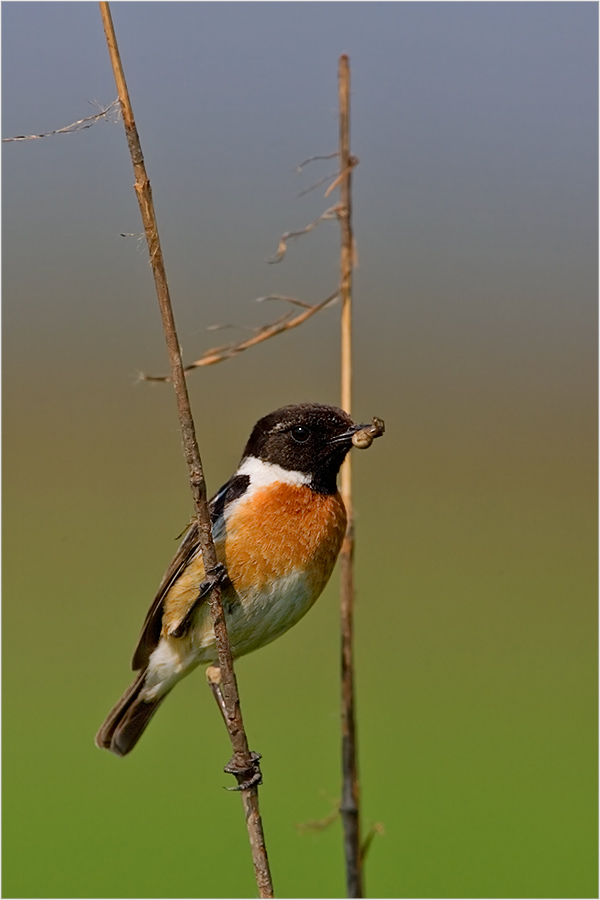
247	776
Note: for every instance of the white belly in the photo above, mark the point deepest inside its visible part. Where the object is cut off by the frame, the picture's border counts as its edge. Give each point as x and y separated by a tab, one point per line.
253	620
256	618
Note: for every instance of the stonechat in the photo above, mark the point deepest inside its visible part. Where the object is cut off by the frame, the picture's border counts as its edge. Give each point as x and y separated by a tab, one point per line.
278	526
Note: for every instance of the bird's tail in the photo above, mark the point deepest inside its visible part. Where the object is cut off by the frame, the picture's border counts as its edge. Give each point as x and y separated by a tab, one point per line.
127	721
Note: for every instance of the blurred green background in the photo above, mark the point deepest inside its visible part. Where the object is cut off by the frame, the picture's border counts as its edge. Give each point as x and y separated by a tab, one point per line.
475	216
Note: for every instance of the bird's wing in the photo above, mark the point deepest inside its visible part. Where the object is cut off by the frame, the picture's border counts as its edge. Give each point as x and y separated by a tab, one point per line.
152	626
188	549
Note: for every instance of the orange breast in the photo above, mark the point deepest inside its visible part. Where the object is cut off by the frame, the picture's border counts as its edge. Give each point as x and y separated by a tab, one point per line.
281	529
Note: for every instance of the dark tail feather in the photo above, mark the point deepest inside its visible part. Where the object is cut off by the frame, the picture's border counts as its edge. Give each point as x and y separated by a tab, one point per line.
127	721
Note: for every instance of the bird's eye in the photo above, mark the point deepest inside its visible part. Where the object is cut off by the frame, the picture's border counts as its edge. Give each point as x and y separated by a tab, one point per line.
300	433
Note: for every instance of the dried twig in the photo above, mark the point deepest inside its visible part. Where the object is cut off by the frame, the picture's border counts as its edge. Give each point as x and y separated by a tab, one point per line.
245	763
316	825
292	300
317	184
331	213
284	323
352	162
79	125
220	354
375	829
310	159
350	806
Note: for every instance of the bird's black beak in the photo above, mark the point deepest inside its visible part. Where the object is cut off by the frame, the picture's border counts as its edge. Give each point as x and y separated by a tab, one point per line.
346	436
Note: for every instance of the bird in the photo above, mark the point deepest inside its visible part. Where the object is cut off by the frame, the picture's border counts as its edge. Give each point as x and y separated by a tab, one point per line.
278	526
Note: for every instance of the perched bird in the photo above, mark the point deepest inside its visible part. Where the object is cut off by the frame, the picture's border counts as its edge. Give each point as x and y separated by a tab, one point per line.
278	526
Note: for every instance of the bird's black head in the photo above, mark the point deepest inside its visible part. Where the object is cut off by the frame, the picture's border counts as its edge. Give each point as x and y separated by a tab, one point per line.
308	438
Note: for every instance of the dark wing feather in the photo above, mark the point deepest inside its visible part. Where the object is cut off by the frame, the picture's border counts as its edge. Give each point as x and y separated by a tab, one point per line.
188	548
152	626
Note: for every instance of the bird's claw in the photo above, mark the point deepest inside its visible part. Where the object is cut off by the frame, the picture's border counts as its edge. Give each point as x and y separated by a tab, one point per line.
250	776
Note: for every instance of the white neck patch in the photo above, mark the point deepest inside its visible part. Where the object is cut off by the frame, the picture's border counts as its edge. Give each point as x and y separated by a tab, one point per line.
264	473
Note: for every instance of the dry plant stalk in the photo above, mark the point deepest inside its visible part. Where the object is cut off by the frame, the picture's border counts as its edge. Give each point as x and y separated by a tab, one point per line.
79	125
245	766
350	804
220	354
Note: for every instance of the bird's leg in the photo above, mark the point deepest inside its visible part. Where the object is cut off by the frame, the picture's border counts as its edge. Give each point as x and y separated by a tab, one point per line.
247	776
216	576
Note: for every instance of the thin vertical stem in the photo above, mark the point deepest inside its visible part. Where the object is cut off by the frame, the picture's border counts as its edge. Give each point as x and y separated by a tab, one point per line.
242	758
350	806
